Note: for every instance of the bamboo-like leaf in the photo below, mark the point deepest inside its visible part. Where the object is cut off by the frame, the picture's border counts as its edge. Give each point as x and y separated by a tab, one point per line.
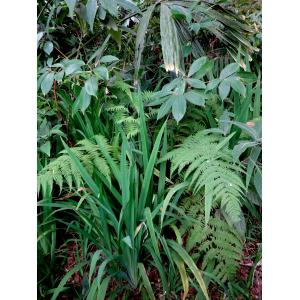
140	38
170	43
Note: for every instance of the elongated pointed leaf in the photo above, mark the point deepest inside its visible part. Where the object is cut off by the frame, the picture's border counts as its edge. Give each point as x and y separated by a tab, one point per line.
84	173
102	72
48	47
91	86
238	86
191	264
195	98
108	59
229	70
47	83
196	65
170	43
212	84
165	108
63	282
224	89
94	260
178	107
71	5
140	38
184	278
91	10
149	170
196	83
146	281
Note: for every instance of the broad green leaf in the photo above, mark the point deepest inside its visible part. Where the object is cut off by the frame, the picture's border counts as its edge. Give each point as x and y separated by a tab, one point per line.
238	86
196	83
82	102
48	47
108	59
47	83
71	5
45	148
224	89
49	62
72	66
196	65
102	72
91	86
91	9
229	70
191	264
59	75
212	84
171	85
178	107
204	69
102	13
39	37
165	108
111	6
195	98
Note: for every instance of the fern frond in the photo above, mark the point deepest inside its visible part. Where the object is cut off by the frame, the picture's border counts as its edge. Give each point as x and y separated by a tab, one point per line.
208	167
63	169
217	242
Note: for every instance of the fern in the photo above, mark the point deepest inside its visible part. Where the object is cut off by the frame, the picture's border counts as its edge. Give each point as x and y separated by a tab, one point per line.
63	169
217	243
122	117
209	168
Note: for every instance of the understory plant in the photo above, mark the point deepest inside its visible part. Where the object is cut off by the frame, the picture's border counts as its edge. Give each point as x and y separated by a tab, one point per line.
149	144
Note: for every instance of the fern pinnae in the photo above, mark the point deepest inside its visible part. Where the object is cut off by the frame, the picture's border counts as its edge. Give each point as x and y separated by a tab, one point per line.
208	165
63	169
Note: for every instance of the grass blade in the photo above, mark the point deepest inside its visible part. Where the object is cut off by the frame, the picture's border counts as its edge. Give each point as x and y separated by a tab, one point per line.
146	281
190	263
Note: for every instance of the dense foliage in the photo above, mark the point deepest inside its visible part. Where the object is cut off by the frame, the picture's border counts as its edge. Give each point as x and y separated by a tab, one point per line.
149	149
